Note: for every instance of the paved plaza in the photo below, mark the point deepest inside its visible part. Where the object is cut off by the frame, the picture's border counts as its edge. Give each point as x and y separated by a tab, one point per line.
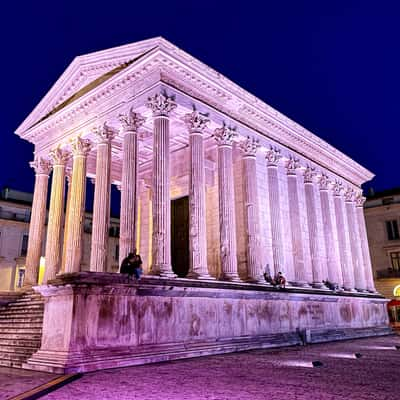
262	374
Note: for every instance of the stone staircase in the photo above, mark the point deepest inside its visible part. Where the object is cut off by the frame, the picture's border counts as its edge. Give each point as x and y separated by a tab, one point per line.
20	329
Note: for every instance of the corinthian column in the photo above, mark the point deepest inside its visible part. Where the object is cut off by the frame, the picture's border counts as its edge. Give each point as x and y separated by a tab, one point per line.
273	156
363	239
300	275
316	236
251	215
328	221
355	243
196	124
131	122
226	196
76	211
38	216
161	107
101	205
344	237
54	226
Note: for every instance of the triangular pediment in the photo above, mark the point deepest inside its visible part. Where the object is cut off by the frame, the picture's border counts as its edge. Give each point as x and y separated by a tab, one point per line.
85	73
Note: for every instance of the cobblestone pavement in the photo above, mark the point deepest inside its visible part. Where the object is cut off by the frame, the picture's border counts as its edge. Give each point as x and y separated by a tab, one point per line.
15	381
261	374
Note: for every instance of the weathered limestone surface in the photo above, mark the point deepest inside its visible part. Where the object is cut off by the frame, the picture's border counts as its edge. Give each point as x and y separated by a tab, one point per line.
94	321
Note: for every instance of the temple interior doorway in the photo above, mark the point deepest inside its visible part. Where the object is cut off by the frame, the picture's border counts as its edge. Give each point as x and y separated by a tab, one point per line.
180	236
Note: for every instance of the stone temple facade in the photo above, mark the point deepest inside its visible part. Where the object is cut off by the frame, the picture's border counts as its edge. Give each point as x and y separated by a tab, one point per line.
216	187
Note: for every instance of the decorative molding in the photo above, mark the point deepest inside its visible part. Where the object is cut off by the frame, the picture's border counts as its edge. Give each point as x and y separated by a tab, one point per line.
81	147
131	121
309	174
196	122
161	105
323	182
349	195
104	134
42	166
225	135
337	187
292	165
273	156
360	200
59	156
250	146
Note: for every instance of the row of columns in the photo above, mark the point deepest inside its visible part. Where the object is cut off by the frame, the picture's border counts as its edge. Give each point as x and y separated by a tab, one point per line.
335	243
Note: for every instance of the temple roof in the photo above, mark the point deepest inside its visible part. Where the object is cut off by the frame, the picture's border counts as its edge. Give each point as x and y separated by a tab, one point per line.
98	84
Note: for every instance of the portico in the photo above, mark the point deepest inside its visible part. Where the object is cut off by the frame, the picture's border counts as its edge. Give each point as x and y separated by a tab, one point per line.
264	194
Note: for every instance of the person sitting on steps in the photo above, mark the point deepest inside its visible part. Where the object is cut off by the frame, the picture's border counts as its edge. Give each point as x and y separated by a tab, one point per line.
132	265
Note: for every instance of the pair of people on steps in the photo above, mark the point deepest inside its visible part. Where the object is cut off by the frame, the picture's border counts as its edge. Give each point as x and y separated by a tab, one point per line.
132	265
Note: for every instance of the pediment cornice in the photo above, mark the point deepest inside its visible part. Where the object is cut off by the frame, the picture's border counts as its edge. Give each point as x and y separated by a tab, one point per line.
183	72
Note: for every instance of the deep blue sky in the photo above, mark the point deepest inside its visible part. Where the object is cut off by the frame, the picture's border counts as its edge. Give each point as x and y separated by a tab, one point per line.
332	66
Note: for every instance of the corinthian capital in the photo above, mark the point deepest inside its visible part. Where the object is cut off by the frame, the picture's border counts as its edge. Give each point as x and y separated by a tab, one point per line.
196	122
323	182
349	195
250	146
292	165
41	165
337	187
273	156
59	156
80	147
131	121
360	200
225	135
161	104
104	133
309	174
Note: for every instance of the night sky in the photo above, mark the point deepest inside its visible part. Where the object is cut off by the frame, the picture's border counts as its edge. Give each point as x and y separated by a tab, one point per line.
333	68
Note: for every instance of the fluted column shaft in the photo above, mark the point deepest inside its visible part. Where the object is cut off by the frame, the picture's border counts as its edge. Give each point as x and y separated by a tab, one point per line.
64	247
344	240
366	257
315	235
197	198
295	223
54	227
355	244
76	212
37	222
252	215
131	122
273	157
101	205
161	105
332	247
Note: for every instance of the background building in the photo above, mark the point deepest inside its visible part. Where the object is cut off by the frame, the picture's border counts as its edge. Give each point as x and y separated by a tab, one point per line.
382	214
15	213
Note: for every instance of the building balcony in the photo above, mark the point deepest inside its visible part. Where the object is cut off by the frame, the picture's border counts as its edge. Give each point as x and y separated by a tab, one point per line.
387	273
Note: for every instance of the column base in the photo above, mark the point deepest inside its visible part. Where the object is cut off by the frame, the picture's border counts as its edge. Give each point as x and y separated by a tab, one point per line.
195	275
230	278
352	290
259	279
163	270
318	285
302	284
361	290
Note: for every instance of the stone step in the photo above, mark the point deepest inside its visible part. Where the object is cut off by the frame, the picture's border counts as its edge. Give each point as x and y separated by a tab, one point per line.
20	342
21	319
24	331
10	363
22	310
20	325
20	336
20	357
29	304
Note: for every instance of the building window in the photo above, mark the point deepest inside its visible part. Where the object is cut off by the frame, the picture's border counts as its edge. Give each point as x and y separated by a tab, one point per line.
24	245
116	254
392	230
395	260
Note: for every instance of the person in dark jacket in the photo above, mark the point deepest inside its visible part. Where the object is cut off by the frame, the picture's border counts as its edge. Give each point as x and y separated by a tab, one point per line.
132	265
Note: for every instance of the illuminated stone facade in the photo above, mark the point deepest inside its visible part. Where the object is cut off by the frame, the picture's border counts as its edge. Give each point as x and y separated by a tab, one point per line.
264	195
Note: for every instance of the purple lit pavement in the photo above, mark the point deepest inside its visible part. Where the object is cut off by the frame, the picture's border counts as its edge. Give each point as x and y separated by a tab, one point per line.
262	374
